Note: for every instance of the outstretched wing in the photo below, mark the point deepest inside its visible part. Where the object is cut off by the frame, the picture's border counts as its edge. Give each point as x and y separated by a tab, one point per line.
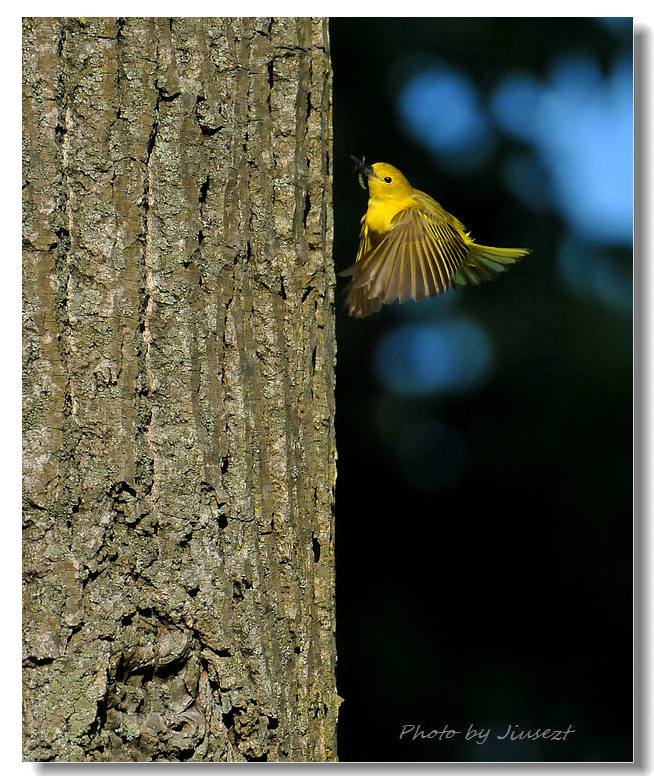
418	257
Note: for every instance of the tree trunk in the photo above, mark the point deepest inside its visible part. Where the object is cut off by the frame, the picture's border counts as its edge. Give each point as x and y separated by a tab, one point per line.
179	352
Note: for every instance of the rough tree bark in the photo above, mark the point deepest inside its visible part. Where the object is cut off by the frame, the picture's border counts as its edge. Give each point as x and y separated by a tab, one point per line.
179	349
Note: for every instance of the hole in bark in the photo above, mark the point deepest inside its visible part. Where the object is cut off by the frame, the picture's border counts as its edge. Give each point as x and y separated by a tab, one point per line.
170	669
224	464
100	720
282	290
165	96
271	73
150	149
205	186
41	661
63	235
222	521
316	549
123	487
210	131
273	723
228	719
307	208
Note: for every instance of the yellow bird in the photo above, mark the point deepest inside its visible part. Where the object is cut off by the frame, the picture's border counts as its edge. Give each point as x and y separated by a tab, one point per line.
411	248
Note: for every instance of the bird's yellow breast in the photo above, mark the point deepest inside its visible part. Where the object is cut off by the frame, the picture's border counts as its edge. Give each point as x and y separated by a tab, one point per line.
380	213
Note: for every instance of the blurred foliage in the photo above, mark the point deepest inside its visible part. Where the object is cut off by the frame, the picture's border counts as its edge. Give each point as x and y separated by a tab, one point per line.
484	537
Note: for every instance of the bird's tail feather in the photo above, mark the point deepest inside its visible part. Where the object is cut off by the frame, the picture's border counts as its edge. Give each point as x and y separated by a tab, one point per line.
484	262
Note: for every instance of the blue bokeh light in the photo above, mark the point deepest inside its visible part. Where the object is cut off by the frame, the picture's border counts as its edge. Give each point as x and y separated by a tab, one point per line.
447	356
580	127
440	108
515	105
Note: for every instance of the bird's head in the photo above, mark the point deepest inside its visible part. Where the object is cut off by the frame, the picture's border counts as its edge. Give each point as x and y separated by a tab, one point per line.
385	182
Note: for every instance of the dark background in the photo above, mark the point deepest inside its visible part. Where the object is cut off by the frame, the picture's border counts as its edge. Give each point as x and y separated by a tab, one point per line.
484	496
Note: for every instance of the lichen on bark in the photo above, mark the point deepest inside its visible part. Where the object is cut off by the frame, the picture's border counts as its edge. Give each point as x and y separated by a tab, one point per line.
179	458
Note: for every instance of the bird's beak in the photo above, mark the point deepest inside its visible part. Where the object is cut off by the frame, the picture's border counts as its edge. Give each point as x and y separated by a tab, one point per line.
362	168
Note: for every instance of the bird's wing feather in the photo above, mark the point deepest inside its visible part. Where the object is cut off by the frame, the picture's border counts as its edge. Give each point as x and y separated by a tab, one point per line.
418	257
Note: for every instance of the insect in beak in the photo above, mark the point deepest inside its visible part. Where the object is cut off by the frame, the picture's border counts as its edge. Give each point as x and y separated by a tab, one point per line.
364	170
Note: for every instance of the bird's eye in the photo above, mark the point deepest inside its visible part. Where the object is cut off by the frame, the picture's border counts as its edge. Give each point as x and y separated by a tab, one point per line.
388	180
